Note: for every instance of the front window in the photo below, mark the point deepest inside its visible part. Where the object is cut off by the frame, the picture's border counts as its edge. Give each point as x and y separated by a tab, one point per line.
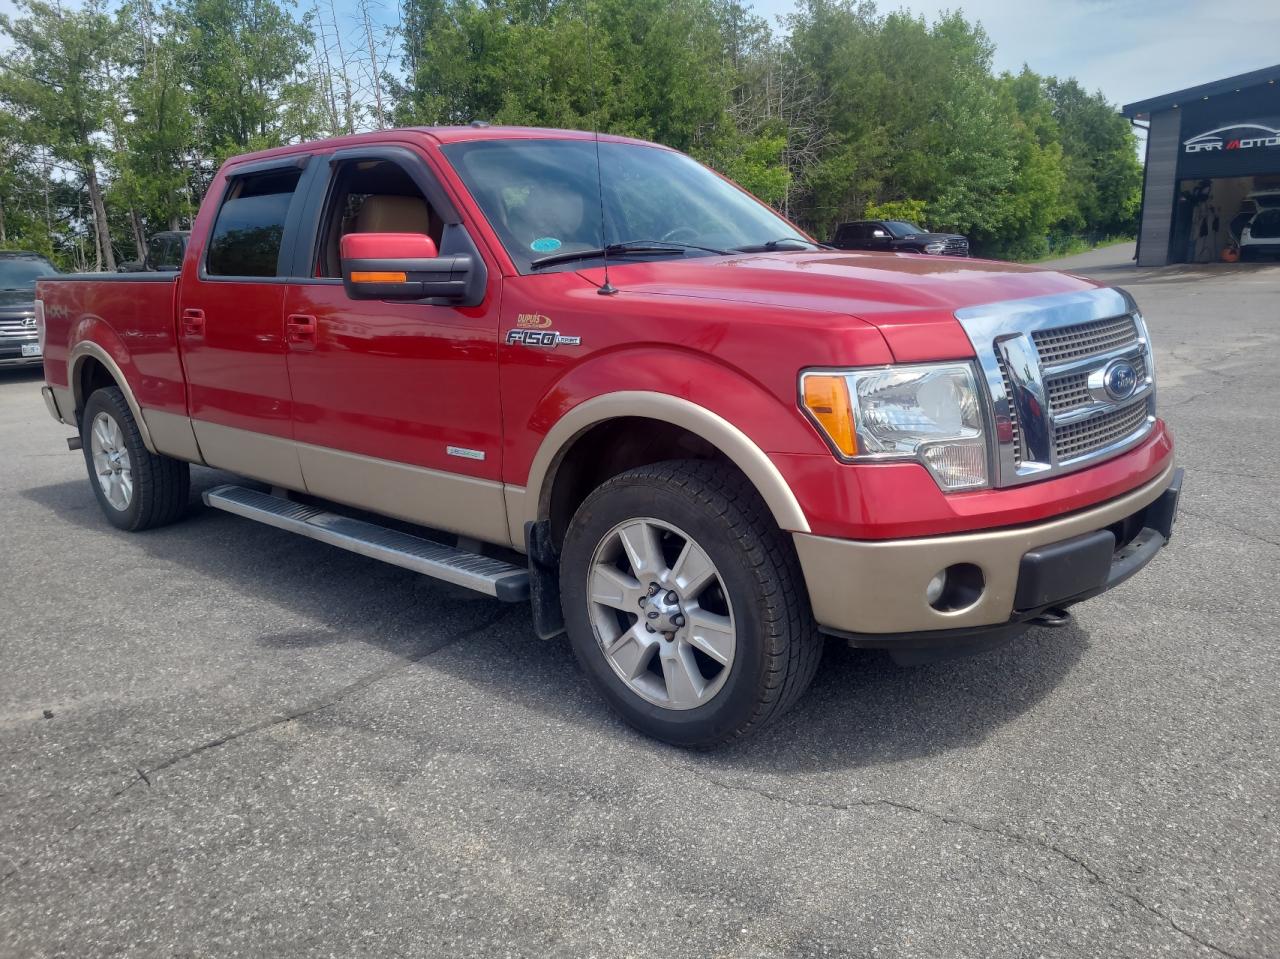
21	273
902	229
542	197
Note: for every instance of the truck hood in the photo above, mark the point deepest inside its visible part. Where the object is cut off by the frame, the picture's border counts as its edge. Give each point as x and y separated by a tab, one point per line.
911	299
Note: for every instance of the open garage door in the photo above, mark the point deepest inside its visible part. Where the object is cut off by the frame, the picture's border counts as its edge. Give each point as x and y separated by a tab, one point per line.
1219	218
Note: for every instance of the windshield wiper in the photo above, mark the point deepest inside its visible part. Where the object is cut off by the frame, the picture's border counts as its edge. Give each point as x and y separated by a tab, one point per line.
778	244
629	248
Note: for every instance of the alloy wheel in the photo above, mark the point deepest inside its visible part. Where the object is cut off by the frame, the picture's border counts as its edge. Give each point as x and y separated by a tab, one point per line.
661	614
111	461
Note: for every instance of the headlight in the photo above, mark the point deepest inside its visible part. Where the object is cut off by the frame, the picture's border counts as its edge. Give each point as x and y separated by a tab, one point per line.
935	247
931	413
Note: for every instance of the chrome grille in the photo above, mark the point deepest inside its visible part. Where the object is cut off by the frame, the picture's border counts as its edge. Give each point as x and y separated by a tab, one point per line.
1013	414
1071	390
1046	363
1097	432
14	326
1084	339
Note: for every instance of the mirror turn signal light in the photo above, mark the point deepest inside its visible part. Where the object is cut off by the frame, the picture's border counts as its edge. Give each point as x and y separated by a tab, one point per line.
377	276
826	397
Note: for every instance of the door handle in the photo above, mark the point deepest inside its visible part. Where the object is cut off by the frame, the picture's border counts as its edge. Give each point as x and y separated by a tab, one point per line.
300	330
192	322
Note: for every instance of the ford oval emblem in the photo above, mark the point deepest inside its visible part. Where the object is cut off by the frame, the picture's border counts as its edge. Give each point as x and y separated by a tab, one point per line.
1120	380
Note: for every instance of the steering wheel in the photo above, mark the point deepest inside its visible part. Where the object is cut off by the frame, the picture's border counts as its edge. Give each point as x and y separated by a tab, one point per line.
673	236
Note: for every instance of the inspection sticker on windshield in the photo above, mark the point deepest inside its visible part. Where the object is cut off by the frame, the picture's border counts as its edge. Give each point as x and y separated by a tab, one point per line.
545	244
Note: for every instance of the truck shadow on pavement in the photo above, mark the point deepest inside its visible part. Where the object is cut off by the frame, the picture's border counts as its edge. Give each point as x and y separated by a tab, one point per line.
862	710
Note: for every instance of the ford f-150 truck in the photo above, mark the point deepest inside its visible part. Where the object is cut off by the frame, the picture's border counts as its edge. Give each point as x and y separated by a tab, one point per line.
592	375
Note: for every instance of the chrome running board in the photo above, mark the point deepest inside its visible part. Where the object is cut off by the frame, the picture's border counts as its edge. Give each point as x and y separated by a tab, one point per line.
484	574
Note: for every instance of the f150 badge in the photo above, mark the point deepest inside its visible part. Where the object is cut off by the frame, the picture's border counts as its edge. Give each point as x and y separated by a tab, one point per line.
548	339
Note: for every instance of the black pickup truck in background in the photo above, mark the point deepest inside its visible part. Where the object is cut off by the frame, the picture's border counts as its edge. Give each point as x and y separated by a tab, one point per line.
19	337
897	236
165	252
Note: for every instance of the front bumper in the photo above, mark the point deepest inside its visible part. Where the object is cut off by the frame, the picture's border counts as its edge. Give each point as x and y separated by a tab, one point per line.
873	592
10	358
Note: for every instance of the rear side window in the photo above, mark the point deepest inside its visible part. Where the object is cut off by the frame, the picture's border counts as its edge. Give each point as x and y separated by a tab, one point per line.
250	227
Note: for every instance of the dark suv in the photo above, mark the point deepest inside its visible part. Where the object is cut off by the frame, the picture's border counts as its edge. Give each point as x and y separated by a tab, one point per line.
897	236
19	339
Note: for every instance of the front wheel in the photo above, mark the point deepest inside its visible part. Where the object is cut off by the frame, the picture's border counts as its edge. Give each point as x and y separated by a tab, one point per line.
685	604
137	489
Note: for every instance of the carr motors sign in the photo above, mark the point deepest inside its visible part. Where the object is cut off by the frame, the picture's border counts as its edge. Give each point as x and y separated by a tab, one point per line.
1232	149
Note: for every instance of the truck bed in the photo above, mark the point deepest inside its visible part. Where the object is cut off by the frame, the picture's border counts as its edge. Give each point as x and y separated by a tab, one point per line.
130	316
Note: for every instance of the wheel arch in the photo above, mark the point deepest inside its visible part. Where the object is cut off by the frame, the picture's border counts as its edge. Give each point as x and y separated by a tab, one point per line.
534	503
87	362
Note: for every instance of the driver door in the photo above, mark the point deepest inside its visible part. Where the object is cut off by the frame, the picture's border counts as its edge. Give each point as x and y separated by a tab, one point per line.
395	403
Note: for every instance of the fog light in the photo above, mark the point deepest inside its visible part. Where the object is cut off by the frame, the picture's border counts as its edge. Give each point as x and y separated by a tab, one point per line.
956	587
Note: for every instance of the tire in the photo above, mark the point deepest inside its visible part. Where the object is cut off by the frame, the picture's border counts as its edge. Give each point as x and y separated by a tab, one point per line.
137	489
747	648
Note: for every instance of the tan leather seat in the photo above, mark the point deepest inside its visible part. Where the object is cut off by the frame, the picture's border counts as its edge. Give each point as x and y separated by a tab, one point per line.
384	213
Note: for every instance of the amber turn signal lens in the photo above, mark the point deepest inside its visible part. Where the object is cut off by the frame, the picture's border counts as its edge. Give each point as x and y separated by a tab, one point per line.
826	397
374	276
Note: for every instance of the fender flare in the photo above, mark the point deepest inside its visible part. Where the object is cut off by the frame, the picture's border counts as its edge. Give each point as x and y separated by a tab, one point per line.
533	503
75	360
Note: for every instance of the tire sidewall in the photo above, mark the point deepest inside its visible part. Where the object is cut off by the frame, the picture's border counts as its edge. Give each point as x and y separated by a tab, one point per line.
111	402
733	706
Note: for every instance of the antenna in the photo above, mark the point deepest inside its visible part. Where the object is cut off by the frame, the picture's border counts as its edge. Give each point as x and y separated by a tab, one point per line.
608	289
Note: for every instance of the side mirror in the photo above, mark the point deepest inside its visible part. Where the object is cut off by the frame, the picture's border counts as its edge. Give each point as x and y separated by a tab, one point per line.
879	234
402	266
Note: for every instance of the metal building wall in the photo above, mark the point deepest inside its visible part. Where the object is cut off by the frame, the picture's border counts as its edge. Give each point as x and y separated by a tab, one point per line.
1160	188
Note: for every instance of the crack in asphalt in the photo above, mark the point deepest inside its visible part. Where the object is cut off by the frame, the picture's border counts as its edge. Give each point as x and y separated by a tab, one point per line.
1225	525
1092	874
144	775
316	706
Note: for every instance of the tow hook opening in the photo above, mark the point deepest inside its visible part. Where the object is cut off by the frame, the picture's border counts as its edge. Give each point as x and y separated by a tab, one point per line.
1053	618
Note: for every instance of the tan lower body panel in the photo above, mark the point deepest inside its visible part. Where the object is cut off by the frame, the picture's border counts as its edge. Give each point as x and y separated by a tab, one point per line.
66	404
260	456
173	435
878	586
448	501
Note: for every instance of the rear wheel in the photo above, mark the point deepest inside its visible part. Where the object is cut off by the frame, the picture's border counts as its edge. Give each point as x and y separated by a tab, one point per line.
685	605
137	489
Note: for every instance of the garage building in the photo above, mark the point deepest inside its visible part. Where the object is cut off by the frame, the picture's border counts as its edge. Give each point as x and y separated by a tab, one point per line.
1212	180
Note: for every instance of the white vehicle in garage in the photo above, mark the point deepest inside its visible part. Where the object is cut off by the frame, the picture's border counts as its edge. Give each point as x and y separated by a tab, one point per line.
1261	235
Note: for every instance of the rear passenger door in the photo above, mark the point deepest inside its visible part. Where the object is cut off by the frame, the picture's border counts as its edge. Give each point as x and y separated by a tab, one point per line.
231	321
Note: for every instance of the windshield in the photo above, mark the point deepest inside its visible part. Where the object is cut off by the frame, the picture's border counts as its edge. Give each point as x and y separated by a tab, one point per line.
1267	200
542	199
20	273
901	228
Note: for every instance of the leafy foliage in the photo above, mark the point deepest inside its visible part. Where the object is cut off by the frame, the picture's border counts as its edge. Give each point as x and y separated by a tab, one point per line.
112	123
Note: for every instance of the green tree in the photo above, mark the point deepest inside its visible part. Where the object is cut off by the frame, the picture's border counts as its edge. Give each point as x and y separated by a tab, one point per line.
56	81
1104	178
245	69
156	123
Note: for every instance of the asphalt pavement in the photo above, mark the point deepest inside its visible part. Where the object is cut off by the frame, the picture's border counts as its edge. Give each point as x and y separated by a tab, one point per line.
218	739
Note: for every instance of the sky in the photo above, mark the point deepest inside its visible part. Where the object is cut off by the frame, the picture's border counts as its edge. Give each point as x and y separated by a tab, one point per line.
1128	49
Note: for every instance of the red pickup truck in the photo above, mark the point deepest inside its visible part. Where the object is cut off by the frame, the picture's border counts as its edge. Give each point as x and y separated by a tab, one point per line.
595	376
